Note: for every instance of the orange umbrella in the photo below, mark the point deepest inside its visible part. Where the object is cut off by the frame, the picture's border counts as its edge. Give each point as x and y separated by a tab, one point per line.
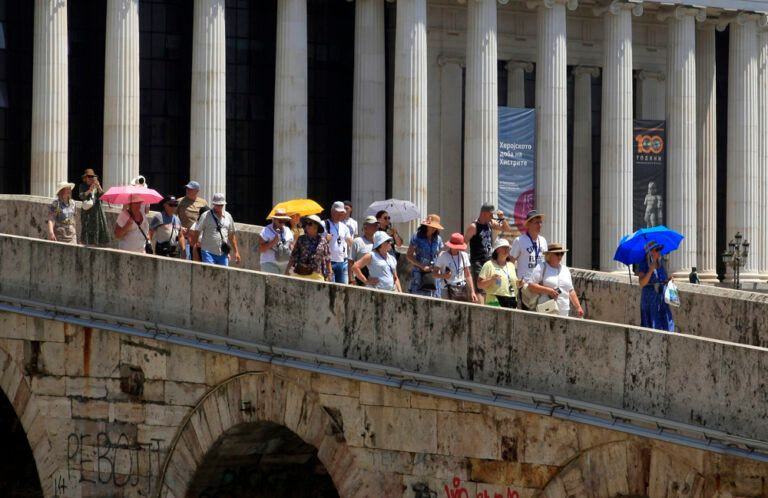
302	207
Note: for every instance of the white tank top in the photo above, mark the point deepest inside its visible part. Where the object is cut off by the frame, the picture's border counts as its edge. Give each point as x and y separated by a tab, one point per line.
383	269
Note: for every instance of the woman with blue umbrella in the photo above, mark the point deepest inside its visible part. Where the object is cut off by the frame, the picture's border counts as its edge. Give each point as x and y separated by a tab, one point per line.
646	248
654	310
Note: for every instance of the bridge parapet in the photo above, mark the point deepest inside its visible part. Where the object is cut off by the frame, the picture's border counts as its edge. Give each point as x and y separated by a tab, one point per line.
702	382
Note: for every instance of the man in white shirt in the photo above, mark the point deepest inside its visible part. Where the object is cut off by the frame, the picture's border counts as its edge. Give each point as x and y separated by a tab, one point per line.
339	239
349	221
527	253
276	244
215	231
363	245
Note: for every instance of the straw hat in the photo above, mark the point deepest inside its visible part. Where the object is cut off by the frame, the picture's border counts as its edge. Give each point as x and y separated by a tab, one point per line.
62	185
433	220
532	215
457	242
555	249
281	214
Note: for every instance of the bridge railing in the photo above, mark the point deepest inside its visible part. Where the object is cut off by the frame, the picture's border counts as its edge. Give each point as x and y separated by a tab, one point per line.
717	313
703	382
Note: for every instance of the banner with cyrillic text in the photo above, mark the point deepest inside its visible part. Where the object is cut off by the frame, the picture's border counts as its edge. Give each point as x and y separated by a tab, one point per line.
649	186
517	161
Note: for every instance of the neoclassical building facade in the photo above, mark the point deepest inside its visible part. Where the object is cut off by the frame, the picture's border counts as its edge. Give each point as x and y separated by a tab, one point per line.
280	99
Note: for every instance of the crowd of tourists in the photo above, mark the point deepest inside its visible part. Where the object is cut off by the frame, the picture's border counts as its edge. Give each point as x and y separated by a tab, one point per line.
478	266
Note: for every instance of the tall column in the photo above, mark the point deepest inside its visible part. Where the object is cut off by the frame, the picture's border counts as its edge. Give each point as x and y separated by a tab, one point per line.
762	91
450	142
681	136
581	200
551	119
706	178
369	117
742	196
481	133
121	93
516	82
616	131
208	119
289	177
50	97
409	147
651	95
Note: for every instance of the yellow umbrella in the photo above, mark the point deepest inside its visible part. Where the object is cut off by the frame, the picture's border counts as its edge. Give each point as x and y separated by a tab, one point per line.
303	207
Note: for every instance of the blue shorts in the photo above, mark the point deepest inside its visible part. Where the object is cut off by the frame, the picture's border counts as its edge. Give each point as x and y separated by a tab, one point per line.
209	257
340	272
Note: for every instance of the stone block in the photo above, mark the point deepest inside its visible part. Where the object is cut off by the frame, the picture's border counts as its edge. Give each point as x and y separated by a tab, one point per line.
16	267
547	441
48	386
246	306
124	411
210	302
378	395
468	434
54	406
174	294
164	415
219	368
350	417
326	384
154	434
91	409
53	358
404	429
136	274
184	393
151	359
87	387
186	364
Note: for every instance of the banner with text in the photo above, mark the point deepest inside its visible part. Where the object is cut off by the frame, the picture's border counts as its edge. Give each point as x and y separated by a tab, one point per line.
650	174
517	161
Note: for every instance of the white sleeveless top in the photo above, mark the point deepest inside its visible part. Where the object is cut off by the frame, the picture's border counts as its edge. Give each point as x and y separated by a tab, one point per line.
383	269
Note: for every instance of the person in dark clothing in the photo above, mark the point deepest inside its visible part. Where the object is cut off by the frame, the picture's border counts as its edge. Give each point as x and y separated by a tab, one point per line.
480	236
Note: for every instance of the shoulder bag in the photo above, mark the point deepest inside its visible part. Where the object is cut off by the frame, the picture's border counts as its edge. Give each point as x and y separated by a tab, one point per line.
224	244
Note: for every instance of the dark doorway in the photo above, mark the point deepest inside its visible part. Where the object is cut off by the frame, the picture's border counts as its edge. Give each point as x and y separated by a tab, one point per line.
18	472
261	460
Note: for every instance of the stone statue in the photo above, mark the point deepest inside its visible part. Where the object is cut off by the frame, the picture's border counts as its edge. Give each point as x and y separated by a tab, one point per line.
654	207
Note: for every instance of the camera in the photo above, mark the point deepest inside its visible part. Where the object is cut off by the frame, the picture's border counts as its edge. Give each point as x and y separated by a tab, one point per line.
225	249
148	248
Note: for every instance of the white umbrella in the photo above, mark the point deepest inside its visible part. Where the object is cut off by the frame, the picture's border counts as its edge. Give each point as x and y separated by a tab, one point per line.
399	211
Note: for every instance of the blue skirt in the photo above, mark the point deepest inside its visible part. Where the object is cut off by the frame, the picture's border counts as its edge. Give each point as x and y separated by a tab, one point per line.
654	311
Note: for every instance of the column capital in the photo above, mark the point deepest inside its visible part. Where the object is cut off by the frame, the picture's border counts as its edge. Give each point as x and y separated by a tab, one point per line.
592	71
617	6
446	59
741	18
681	12
524	65
644	74
534	4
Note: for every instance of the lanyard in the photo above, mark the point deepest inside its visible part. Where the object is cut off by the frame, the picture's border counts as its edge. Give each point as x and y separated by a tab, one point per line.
535	246
458	266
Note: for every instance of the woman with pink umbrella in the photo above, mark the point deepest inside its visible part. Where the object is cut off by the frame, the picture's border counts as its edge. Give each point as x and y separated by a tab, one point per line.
132	228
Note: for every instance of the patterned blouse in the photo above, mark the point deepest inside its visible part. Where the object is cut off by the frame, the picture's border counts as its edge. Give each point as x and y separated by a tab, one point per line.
314	252
61	213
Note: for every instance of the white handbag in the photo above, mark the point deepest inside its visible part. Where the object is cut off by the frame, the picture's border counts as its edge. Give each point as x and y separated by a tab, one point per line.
549	307
87	204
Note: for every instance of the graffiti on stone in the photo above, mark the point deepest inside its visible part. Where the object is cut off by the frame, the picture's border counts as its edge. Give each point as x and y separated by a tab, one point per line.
456	490
116	461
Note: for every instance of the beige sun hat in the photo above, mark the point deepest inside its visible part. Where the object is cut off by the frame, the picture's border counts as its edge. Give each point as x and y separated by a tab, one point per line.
62	185
281	214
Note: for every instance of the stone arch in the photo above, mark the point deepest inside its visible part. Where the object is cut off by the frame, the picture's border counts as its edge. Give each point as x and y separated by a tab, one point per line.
17	398
258	398
628	468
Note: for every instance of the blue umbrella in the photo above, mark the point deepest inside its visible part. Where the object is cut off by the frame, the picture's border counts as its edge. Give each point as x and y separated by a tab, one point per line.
631	249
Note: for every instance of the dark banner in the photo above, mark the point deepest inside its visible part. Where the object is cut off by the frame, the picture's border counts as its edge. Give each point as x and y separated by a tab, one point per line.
650	174
517	161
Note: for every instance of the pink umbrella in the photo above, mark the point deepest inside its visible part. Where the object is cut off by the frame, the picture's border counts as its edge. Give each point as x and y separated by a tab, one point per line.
122	195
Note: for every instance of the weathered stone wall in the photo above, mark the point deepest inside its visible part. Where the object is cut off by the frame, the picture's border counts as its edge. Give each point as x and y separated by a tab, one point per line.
688	379
714	312
92	438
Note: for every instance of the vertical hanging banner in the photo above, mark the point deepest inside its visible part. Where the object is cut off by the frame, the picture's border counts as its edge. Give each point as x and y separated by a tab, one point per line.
517	161
650	174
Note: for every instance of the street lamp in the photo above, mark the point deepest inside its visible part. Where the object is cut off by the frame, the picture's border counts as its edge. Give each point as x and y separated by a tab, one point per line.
735	257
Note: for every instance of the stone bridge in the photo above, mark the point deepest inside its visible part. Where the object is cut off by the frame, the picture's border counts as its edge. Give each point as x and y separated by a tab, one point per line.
131	375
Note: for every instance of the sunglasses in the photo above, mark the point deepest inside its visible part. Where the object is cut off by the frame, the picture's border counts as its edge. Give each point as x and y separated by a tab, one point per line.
91	176
386	218
558	255
173	205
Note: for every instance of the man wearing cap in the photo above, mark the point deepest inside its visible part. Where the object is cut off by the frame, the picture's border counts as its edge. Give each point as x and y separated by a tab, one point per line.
362	245
276	243
339	239
349	221
527	253
189	210
165	230
480	237
215	231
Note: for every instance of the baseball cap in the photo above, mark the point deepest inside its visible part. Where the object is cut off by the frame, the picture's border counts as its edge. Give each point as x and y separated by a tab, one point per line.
338	206
370	220
219	199
487	208
193	185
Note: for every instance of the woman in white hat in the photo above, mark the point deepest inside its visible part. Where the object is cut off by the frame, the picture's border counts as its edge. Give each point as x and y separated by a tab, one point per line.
61	215
498	277
381	265
311	256
132	227
552	280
